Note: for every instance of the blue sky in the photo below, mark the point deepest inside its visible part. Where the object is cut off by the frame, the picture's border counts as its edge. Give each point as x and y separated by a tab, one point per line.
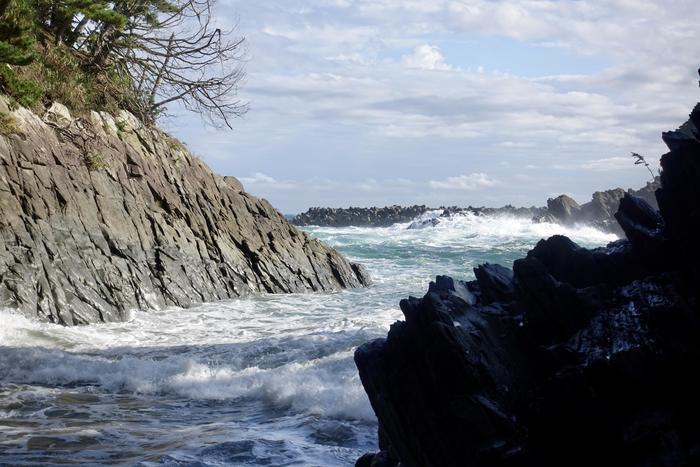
481	102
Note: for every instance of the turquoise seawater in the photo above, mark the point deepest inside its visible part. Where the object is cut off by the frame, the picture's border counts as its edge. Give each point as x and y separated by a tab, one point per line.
266	380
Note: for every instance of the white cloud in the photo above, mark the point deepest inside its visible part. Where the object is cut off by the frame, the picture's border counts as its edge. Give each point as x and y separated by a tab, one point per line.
600	165
335	95
426	57
257	179
471	182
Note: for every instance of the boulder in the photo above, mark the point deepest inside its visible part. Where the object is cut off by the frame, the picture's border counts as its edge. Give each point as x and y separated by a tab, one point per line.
59	115
563	208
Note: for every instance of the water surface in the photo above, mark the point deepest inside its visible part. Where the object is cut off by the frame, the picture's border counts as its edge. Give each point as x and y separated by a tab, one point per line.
266	380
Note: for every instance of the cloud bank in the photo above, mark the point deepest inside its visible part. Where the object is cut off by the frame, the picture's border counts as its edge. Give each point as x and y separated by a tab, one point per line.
439	93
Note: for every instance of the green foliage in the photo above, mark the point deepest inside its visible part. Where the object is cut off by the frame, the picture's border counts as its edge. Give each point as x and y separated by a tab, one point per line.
25	92
16	32
94	10
8	124
138	55
95	162
17	21
65	79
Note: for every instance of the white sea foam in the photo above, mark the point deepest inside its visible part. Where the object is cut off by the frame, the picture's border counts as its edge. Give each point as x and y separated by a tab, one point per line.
265	370
466	230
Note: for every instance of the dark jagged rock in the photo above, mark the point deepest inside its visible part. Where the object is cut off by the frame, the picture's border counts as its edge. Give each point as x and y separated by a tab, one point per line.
643	226
578	357
495	283
647	193
100	216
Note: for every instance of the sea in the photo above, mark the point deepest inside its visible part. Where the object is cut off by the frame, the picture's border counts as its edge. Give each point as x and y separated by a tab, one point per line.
267	380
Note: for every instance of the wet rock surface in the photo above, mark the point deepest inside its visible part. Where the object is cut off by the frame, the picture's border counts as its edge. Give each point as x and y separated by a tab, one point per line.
575	357
101	215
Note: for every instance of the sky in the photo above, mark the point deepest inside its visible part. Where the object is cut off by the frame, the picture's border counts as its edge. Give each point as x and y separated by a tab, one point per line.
450	102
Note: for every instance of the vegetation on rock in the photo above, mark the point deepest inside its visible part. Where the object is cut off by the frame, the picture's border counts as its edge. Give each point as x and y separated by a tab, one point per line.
138	55
8	124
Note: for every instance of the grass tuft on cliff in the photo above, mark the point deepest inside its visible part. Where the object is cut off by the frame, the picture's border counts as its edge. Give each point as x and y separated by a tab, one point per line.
8	124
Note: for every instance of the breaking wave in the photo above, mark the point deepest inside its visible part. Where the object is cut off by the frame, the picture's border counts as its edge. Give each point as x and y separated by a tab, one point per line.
256	381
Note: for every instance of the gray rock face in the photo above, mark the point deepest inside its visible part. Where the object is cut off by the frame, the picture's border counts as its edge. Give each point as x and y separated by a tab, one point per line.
564	208
599	211
100	216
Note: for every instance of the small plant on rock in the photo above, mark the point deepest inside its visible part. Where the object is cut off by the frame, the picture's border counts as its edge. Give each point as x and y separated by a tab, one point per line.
95	162
639	160
8	124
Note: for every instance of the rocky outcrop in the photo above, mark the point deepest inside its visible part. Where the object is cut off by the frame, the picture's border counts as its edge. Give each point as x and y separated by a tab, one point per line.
101	215
600	211
575	357
360	217
563	208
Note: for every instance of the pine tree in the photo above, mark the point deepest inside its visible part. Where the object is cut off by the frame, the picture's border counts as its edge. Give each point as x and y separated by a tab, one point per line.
67	19
16	32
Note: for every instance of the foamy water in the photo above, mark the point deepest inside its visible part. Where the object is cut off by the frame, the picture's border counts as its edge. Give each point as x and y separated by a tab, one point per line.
267	380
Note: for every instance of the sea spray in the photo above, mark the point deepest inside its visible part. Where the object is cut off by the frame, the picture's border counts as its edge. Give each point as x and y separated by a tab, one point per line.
256	381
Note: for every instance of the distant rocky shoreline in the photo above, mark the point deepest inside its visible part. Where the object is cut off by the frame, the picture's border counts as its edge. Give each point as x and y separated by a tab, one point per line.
359	217
598	212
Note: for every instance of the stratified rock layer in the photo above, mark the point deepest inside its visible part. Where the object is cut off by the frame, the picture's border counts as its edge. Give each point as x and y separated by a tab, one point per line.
577	357
102	215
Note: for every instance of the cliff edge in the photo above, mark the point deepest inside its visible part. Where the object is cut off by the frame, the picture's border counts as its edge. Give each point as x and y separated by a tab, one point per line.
101	215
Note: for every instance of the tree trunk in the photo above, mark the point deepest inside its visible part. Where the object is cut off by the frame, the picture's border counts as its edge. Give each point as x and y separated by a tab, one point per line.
159	78
105	43
61	31
75	34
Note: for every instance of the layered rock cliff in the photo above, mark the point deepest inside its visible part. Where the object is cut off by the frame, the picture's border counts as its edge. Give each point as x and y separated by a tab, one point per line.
574	357
101	215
